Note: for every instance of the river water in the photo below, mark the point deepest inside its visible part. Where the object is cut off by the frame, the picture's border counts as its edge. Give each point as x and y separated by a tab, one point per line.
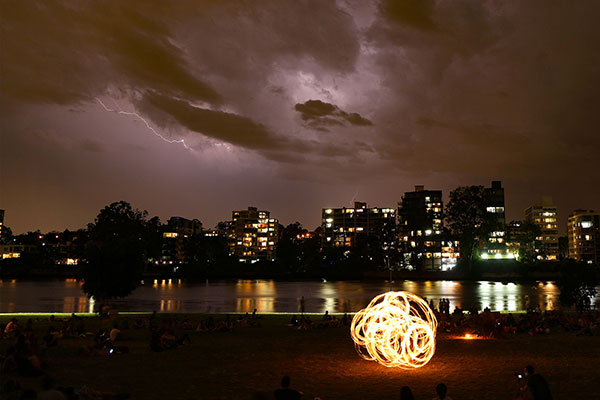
272	296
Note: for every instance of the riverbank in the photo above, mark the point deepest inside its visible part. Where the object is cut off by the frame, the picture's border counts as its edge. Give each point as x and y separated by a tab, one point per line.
492	270
321	362
367	276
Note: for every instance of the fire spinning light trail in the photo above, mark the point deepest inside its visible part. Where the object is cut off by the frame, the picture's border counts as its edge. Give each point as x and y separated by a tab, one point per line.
138	116
397	329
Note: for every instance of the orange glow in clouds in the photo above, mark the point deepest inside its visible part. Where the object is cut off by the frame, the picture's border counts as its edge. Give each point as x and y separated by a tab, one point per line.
397	329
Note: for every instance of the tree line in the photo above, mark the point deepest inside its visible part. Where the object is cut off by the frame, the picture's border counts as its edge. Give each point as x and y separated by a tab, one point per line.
123	243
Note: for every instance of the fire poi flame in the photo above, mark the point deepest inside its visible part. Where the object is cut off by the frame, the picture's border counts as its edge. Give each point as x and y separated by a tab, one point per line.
397	329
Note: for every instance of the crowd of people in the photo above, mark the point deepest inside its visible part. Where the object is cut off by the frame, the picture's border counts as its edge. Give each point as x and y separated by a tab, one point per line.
304	321
498	325
531	386
25	357
26	354
285	392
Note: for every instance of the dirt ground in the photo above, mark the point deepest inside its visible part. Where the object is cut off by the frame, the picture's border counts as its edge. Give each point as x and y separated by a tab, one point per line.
321	363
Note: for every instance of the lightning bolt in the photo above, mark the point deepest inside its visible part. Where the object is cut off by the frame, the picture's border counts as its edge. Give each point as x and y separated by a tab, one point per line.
354	198
139	117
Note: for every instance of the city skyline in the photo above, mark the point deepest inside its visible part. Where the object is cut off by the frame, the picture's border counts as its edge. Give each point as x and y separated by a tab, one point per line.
197	109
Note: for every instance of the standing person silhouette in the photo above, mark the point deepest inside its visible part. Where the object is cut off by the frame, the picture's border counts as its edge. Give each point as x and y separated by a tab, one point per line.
285	393
302	305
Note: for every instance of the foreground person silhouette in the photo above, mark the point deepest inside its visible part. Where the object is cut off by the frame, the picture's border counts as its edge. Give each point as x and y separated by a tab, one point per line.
285	393
406	393
441	391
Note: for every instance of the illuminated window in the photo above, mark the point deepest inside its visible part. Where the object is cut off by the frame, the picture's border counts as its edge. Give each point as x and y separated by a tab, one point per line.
587	224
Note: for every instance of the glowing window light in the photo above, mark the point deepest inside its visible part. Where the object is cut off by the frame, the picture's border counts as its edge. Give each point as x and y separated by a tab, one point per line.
396	329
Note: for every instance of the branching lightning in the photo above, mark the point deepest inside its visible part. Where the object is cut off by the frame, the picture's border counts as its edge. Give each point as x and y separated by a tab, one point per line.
139	117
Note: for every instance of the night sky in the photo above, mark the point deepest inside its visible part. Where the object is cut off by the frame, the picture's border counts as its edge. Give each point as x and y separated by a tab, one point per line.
292	106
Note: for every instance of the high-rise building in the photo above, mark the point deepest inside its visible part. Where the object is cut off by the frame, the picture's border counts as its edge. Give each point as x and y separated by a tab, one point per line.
514	231
253	235
420	225
545	217
583	231
563	247
177	232
347	227
494	246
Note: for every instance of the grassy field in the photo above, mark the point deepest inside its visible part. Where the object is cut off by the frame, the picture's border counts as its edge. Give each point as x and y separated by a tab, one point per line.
321	362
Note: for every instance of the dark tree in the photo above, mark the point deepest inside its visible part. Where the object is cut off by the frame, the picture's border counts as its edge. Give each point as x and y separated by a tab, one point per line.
153	238
577	284
6	236
205	256
292	231
527	239
289	252
30	238
466	217
115	254
118	221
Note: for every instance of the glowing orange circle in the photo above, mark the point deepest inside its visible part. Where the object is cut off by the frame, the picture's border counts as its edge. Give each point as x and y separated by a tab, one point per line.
396	329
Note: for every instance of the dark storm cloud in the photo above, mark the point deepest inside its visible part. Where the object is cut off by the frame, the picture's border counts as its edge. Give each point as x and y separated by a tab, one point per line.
61	142
62	53
454	91
216	55
497	88
244	132
414	13
91	145
318	114
226	127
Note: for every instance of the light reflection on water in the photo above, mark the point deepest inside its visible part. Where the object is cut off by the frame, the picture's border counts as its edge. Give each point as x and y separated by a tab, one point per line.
173	295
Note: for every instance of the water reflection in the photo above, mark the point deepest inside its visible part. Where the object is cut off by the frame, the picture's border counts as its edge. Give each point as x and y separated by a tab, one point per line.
171	305
256	295
76	305
170	295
